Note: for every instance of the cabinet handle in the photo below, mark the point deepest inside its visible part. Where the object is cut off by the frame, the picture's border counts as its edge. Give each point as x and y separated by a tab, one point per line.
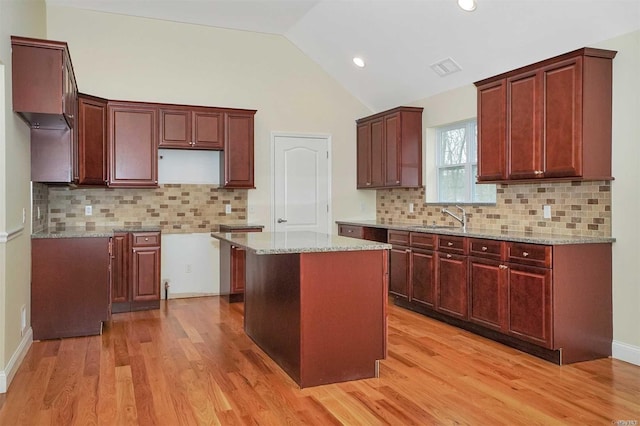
146	238
407	250
538	172
368	183
397	181
484	248
449	243
448	256
502	266
525	253
350	231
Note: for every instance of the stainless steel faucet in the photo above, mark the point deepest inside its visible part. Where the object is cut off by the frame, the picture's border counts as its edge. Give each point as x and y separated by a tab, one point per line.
462	219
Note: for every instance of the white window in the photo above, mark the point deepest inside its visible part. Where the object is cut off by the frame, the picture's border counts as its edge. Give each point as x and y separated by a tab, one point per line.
457	165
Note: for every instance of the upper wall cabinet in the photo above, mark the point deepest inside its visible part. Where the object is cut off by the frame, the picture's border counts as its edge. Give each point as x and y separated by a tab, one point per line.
44	85
191	127
549	120
389	149
92	140
133	144
238	162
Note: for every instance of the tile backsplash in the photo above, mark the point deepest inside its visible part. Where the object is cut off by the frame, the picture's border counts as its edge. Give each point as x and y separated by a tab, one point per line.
577	208
175	208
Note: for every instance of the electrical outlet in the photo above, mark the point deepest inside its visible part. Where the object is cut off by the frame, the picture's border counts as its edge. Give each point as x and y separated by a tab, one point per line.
410	207
227	208
546	212
38	210
88	210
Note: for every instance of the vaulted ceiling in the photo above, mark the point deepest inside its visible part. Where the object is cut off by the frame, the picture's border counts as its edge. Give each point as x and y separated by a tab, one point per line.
400	39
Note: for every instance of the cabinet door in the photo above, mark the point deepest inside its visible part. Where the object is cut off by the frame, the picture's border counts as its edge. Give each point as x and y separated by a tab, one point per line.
133	150
399	272
175	128
92	141
423	278
377	153
529	304
487	293
492	111
208	129
524	125
563	119
451	284
238	150
145	271
364	155
120	273
392	149
238	269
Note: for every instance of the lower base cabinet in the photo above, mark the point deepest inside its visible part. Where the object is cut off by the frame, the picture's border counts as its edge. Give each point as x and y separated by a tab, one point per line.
69	287
554	302
233	265
135	271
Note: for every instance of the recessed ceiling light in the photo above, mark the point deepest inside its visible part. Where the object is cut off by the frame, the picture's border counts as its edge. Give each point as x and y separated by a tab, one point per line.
468	5
359	62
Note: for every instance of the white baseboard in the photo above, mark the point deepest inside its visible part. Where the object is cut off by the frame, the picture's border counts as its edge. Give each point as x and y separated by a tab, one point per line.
625	352
10	370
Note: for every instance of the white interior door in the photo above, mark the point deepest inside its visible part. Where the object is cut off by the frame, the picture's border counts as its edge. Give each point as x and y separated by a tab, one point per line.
301	183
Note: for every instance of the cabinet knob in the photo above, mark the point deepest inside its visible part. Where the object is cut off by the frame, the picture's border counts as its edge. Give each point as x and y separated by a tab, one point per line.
350	230
538	172
146	238
448	256
368	183
449	243
502	266
525	253
398	181
484	248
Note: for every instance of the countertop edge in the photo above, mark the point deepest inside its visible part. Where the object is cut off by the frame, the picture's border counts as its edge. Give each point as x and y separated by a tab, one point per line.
533	239
229	237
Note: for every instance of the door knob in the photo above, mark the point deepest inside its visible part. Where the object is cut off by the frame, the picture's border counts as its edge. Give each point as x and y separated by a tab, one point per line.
281	220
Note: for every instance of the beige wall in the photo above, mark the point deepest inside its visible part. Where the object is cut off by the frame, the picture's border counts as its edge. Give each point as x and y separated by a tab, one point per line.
460	104
130	58
26	18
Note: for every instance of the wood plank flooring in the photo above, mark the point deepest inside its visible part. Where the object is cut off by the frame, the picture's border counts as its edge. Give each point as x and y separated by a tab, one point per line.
190	363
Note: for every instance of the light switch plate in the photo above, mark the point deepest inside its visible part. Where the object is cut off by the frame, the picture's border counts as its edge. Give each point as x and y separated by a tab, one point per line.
227	208
546	212
88	210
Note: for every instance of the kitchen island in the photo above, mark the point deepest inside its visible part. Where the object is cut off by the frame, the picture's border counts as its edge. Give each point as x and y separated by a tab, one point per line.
316	303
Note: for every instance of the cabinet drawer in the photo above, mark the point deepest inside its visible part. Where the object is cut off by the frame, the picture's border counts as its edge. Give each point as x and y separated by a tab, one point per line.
350	231
398	237
452	244
486	248
146	239
529	254
420	240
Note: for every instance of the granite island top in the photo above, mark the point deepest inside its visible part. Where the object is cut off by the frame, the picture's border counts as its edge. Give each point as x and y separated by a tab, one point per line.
520	237
297	242
97	232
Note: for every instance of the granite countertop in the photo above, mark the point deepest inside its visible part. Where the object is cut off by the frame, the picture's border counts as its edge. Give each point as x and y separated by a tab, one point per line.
521	237
297	242
98	232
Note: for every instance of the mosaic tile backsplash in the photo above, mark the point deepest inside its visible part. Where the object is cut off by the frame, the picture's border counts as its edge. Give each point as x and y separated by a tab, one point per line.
175	208
577	208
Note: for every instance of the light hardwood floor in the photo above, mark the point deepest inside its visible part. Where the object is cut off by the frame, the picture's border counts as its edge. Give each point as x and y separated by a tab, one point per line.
190	363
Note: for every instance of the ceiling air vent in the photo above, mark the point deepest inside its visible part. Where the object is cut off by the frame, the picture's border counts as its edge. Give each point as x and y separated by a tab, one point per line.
445	67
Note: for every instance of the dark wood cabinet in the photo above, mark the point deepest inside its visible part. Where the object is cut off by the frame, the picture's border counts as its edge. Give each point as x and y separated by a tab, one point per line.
133	144
363	232
451	285
389	149
554	116
92	140
191	127
135	271
237	160
45	96
412	267
487	283
44	85
233	265
69	286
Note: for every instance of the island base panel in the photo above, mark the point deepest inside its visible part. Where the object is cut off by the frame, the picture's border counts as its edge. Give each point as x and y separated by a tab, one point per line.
320	316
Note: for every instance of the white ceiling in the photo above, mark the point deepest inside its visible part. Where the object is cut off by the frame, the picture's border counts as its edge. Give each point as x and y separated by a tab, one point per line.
400	39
